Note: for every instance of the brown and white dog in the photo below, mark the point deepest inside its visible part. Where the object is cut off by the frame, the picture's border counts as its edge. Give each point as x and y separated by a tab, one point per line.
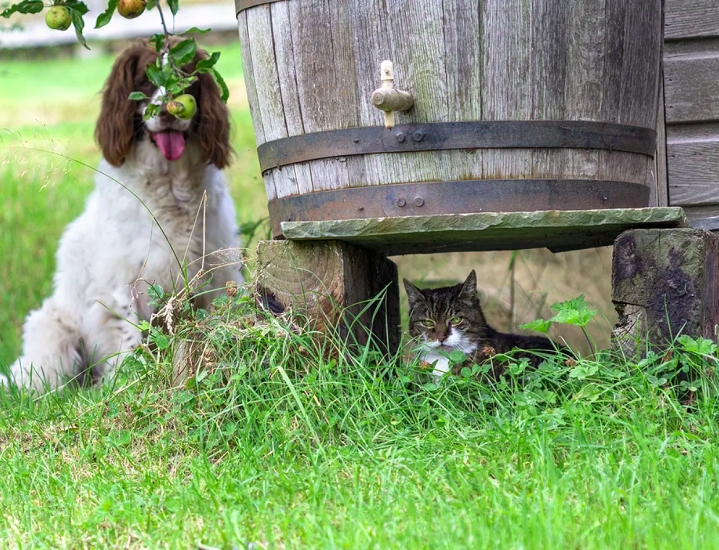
159	203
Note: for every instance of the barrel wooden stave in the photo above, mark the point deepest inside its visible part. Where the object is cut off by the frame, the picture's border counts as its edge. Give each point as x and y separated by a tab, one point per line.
314	64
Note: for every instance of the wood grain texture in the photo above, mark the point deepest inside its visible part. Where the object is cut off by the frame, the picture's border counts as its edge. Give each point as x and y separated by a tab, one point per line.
324	72
372	45
462	60
691	94
334	283
691	85
507	28
252	98
693	164
641	64
660	192
703	217
284	54
663	285
691	18
269	98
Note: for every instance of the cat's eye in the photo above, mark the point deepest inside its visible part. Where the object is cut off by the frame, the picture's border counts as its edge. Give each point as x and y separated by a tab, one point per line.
456	321
429	323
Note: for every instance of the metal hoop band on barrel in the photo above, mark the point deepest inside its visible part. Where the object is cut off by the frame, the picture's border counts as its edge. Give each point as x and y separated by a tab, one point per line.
456	197
442	136
241	5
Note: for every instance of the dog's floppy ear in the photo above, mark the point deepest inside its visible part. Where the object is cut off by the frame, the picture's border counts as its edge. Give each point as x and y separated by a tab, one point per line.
115	130
214	124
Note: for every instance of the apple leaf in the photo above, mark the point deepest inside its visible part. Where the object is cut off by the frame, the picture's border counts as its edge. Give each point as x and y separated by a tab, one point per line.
225	91
156	76
174	6
204	64
78	6
76	13
158	40
195	30
184	52
26	6
105	17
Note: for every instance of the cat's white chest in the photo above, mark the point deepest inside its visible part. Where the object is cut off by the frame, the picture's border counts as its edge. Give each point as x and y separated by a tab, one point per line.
442	362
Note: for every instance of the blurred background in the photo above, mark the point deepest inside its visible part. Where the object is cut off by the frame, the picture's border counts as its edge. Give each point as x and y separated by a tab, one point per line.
48	107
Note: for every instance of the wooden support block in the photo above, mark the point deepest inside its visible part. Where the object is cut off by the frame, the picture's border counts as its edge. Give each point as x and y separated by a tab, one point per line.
664	283
332	282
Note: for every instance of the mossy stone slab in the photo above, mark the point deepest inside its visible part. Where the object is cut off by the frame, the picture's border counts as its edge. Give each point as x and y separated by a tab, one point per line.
554	229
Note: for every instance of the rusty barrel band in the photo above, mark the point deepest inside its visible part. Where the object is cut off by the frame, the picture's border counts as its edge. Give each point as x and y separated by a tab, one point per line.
241	5
456	197
442	136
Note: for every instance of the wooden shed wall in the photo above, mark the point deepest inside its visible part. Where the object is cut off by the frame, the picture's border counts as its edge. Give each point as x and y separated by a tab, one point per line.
691	98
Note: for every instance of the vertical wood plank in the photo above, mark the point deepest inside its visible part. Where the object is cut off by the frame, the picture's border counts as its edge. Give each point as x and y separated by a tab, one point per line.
418	44
462	30
657	181
324	69
372	46
507	70
259	29
549	44
622	99
282	36
641	66
251	86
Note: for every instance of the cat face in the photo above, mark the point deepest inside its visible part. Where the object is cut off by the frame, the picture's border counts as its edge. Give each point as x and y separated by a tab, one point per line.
447	318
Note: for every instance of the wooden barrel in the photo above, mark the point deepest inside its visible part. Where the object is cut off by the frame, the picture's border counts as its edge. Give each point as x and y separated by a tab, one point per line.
520	105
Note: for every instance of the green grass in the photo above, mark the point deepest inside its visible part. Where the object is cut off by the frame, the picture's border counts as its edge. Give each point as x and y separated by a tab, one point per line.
285	441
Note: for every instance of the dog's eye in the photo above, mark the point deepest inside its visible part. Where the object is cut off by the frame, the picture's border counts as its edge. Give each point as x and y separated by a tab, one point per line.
143	84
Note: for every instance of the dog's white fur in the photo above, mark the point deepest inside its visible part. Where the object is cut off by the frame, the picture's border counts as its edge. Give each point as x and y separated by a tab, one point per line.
116	248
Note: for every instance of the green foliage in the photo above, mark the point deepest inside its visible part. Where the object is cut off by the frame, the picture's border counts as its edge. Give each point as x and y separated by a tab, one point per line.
168	71
284	437
105	17
77	10
25	7
574	312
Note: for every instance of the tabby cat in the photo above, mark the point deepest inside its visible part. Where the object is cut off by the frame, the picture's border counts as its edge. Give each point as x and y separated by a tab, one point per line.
450	318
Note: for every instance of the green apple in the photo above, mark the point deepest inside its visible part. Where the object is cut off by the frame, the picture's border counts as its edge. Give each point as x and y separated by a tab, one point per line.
58	18
183	107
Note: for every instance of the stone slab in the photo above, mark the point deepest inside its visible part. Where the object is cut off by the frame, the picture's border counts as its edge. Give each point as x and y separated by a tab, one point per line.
553	229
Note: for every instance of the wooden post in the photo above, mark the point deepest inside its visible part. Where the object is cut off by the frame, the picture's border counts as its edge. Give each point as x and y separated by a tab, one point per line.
333	282
664	283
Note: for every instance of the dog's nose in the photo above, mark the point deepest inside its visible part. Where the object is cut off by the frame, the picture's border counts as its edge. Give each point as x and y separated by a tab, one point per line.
164	115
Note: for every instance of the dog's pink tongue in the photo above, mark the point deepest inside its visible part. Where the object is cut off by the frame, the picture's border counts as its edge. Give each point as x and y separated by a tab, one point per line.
171	144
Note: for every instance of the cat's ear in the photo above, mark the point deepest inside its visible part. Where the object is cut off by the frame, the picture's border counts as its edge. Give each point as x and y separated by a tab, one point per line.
469	287
414	294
